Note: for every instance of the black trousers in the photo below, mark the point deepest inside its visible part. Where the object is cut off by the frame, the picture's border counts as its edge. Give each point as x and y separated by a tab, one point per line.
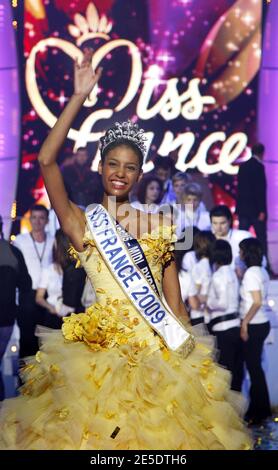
230	354
30	314
259	405
246	222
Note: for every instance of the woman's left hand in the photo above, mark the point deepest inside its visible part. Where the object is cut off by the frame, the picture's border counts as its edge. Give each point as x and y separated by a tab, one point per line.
244	331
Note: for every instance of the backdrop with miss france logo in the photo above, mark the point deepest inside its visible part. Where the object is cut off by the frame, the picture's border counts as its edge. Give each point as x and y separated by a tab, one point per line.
185	70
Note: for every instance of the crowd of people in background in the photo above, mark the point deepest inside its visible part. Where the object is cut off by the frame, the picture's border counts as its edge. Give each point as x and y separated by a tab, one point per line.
223	276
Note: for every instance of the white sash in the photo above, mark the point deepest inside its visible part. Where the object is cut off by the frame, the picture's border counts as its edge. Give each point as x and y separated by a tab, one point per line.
133	282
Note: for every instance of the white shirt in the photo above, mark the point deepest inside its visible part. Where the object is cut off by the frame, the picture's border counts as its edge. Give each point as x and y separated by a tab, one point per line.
255	278
201	276
223	297
188	288
52	280
53	223
170	195
184	218
26	245
148	208
188	261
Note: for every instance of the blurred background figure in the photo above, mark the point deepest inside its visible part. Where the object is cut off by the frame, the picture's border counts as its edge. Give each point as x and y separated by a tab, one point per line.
149	194
251	198
179	182
13	275
163	170
223	308
186	259
201	273
61	285
222	227
189	291
203	181
255	327
83	185
191	212
36	247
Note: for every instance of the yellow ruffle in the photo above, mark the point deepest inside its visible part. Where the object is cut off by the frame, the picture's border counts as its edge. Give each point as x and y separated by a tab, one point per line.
75	397
107	382
158	245
102	327
89	246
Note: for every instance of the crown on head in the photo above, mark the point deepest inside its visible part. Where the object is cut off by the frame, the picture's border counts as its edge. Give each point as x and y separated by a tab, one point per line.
124	131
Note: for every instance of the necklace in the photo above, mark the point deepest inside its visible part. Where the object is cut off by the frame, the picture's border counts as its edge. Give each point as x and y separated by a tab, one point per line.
40	256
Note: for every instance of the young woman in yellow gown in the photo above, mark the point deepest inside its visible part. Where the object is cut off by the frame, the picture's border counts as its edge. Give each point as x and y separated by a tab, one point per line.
108	380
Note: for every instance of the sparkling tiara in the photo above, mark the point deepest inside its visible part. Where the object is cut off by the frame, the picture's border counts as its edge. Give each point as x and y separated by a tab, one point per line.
124	131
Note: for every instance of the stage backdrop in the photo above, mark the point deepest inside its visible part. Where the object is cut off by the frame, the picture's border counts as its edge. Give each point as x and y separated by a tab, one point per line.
185	70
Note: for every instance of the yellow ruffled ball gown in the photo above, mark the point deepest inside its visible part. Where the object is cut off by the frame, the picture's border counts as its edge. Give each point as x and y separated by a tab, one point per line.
106	381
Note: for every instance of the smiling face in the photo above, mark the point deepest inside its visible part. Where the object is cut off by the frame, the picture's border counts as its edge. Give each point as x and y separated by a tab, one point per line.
120	170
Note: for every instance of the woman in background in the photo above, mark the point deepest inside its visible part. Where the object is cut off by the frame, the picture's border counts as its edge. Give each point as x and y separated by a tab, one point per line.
149	194
255	326
201	273
223	304
62	283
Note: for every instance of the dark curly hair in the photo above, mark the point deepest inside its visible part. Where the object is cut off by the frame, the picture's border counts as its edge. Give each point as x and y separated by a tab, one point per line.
143	186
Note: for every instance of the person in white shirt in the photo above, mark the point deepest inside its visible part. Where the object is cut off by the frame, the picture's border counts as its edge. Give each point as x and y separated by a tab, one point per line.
255	326
189	260
223	308
222	227
201	273
184	254
53	223
36	247
190	213
189	292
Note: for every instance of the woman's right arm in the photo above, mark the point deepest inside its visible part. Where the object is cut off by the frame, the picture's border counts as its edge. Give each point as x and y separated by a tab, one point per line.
194	302
70	216
40	300
256	305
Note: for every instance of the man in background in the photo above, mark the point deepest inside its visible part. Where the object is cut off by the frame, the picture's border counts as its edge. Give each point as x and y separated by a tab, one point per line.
163	170
36	247
13	275
83	185
222	227
251	200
